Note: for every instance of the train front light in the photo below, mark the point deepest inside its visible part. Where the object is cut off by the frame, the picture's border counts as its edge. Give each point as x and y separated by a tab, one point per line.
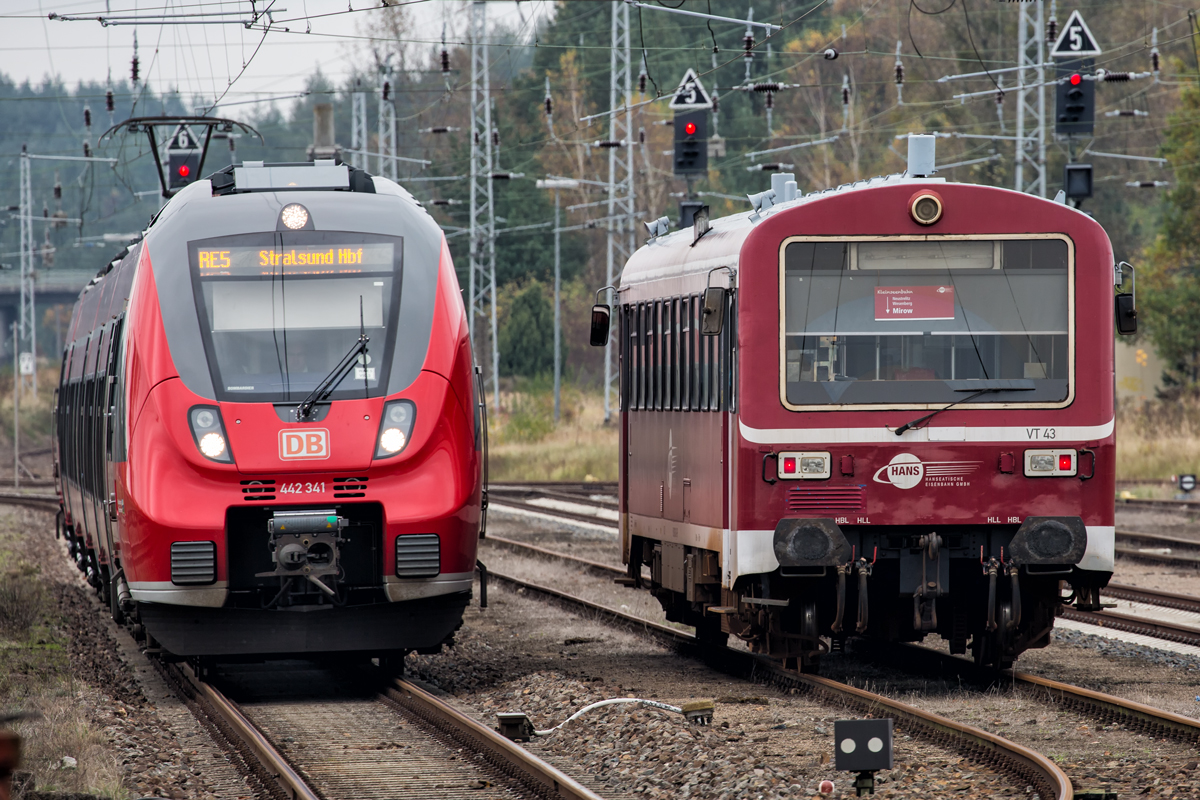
209	433
212	445
803	466
1051	463
395	429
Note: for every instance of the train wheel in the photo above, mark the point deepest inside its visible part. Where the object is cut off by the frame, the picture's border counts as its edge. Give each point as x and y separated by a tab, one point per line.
114	604
709	633
104	585
392	662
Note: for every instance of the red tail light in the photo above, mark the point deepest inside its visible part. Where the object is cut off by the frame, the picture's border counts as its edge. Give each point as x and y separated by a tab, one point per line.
1064	462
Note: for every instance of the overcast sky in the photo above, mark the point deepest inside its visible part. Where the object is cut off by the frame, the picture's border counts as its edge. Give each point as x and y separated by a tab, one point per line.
203	59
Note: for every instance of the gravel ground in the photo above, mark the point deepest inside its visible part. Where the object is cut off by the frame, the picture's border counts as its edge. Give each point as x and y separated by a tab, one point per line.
524	655
1096	756
1185	524
146	737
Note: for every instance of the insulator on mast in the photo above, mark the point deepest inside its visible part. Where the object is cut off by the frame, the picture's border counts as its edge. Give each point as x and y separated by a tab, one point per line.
87	148
87	117
1155	65
57	187
548	102
770	100
495	137
45	209
1000	108
387	90
1052	24
748	43
899	72
133	65
845	102
109	104
445	56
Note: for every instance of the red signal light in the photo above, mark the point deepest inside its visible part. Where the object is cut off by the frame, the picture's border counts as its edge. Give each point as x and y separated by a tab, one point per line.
789	464
1064	463
1076	79
184	170
690	129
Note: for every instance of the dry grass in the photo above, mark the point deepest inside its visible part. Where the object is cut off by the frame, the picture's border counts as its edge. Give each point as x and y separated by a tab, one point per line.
62	729
526	445
1158	440
36	677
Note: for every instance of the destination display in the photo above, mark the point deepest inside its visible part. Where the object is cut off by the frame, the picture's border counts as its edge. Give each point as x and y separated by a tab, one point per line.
914	302
213	262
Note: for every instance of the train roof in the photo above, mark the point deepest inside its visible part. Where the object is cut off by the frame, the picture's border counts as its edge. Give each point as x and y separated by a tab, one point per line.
678	254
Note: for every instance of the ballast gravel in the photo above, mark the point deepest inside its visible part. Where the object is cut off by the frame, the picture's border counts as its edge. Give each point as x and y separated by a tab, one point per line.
523	655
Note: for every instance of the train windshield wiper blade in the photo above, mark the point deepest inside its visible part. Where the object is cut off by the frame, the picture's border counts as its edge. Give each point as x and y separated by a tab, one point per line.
336	375
962	386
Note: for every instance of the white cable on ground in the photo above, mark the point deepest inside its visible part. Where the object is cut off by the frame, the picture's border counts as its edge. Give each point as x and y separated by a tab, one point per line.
612	701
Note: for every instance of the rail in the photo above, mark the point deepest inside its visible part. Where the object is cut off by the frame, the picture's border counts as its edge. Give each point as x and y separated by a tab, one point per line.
503	754
1031	767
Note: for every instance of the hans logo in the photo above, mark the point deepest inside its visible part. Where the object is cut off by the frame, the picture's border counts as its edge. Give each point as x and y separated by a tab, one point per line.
296	443
906	471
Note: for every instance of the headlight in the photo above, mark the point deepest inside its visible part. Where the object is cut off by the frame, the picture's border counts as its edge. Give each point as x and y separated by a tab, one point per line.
812	466
396	427
392	440
209	433
1041	463
803	466
212	445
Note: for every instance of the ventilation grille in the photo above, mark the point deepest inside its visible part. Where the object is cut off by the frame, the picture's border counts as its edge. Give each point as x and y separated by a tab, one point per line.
193	563
258	490
418	555
350	487
834	498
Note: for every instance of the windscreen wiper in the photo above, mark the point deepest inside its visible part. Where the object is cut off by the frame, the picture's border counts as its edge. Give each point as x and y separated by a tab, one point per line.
335	377
1009	386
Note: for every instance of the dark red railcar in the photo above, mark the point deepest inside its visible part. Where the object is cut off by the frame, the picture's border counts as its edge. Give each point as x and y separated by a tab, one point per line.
903	426
268	434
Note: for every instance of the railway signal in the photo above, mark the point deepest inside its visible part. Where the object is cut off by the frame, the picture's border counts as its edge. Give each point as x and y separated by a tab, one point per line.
1077	181
863	746
691	143
183	160
1075	99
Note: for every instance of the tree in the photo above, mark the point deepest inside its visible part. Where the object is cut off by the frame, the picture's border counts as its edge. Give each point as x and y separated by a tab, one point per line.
527	336
1168	289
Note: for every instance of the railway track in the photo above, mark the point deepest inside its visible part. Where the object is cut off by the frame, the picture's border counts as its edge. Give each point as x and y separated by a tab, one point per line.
1134	716
1026	766
399	742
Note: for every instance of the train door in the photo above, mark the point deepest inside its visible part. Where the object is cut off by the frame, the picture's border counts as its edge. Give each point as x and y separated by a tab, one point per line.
109	392
62	437
83	441
95	440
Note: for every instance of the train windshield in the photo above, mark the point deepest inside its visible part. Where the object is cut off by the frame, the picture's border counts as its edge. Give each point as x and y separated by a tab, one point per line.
926	321
279	310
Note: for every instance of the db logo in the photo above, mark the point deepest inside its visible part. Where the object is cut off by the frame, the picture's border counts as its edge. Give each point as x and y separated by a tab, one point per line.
306	443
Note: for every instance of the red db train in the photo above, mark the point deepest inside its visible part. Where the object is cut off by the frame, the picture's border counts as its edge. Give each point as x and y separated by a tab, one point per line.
884	409
268	429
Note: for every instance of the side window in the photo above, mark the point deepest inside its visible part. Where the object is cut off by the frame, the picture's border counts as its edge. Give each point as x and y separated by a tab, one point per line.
671	345
694	355
639	319
656	356
685	336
